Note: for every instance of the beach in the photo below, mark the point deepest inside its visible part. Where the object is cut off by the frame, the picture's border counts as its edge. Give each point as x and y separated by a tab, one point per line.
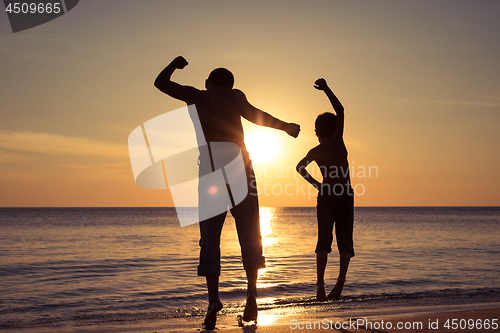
471	318
431	320
134	269
405	322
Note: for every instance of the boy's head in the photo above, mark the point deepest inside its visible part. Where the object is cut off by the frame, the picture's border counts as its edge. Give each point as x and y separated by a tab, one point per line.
221	78
325	125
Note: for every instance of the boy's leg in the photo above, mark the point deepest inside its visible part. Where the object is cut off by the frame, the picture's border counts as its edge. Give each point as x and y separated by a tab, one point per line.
321	260
345	258
344	265
343	231
326	220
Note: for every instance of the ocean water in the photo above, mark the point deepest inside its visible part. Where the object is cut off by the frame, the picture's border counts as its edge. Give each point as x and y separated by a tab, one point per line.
101	265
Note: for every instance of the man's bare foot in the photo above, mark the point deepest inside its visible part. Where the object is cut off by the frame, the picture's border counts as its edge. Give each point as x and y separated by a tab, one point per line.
250	312
320	293
211	317
337	290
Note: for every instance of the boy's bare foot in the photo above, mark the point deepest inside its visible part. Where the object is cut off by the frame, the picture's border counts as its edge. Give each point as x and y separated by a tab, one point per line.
211	317
320	293
250	312
337	290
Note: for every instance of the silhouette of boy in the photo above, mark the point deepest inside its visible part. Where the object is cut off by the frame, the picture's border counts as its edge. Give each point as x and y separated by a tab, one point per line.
220	109
335	198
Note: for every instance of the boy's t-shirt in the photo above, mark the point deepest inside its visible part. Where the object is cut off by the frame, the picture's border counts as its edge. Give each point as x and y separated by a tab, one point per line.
331	157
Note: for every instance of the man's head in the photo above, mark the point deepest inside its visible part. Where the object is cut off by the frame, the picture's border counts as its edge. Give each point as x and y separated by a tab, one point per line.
325	125
220	78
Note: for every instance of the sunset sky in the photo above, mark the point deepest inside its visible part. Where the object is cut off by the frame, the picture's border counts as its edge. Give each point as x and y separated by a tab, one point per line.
419	80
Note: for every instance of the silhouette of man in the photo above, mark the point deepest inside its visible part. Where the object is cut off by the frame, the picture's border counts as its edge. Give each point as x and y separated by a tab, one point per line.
220	109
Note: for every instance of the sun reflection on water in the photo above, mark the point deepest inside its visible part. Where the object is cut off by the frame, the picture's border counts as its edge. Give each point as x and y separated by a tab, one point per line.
267	216
266	319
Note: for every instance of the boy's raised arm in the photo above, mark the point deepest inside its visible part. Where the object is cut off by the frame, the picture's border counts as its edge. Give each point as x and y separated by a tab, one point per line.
321	84
164	83
259	117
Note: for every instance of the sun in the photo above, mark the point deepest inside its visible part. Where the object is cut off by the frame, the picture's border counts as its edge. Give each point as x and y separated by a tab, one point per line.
263	146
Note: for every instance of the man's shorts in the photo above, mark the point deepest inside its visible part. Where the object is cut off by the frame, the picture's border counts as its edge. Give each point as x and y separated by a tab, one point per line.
246	217
336	210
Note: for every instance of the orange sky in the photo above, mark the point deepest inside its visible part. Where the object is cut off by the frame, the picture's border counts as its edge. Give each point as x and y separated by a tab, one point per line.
418	80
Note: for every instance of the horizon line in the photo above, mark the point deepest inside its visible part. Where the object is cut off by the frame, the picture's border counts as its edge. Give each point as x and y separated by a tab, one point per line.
423	206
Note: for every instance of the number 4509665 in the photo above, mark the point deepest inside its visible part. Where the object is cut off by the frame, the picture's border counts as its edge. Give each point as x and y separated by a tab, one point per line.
32	8
471	324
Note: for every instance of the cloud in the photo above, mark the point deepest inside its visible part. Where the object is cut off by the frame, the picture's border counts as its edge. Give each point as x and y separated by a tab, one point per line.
407	102
466	103
54	144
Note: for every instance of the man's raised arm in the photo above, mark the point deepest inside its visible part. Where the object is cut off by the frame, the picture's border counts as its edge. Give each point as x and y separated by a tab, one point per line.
175	90
259	117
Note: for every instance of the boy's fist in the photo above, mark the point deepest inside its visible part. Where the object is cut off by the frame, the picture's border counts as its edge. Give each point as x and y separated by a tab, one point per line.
320	84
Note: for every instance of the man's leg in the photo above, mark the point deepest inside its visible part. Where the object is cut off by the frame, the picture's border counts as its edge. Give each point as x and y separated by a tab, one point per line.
214	303
250	312
246	216
209	266
248	227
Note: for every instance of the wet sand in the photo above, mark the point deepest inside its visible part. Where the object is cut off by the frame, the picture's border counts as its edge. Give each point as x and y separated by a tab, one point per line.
408	320
435	323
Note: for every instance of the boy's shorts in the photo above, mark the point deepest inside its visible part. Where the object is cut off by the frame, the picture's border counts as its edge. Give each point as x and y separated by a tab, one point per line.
336	210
